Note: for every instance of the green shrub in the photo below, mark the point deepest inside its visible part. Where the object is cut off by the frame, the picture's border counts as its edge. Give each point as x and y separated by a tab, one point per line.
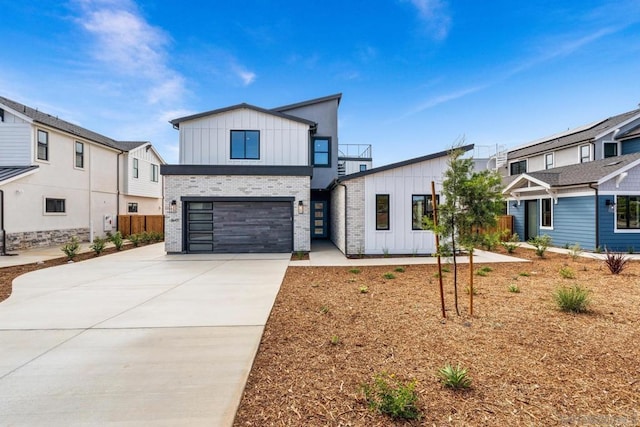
391	397
446	269
524	274
567	273
98	245
324	309
385	252
514	288
355	271
455	377
335	340
146	238
541	243
615	262
468	290
135	240
389	276
363	289
573	299
490	241
117	240
511	244
399	270
575	251
71	248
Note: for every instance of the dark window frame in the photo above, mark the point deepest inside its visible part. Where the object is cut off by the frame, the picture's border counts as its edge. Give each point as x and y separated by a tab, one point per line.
243	156
154	172
546	219
381	210
518	167
626	205
79	155
547	164
583	158
426	198
363	168
54	205
326	164
132	207
136	168
604	149
42	145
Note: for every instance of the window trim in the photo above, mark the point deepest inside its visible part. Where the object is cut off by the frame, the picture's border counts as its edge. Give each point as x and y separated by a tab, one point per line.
231	132
136	169
548	165
133	205
313	152
616	229
75	156
427	201
526	166
46	199
379	197
615	144
541	211
154	172
582	158
45	145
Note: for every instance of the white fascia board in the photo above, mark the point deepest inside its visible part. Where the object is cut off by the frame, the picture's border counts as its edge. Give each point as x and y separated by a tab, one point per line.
17	113
619	171
526	177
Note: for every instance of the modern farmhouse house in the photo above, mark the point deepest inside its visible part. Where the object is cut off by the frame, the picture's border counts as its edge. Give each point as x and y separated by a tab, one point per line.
252	179
59	180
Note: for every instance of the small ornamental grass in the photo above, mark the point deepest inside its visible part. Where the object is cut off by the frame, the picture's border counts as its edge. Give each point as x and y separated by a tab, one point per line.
399	269
540	243
455	377
574	299
98	245
389	276
393	398
615	262
117	240
514	288
567	273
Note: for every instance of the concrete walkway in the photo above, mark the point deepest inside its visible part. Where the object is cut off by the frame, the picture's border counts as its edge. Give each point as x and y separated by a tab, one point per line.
134	338
324	253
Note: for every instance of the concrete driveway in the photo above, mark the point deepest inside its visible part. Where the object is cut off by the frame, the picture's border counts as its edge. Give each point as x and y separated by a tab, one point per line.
134	338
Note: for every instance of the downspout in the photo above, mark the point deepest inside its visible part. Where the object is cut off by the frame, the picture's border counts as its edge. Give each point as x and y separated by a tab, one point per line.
597	217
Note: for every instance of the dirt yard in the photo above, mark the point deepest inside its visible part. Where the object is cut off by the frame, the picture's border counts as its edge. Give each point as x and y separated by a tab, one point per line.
531	364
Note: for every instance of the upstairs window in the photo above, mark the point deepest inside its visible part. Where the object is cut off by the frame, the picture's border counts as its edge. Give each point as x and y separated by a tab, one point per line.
516	168
79	155
135	168
322	151
245	144
628	212
382	212
363	168
43	145
610	149
585	153
154	173
421	206
548	161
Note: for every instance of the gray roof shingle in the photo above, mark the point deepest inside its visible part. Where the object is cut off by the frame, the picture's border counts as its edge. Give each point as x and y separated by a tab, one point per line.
581	135
8	172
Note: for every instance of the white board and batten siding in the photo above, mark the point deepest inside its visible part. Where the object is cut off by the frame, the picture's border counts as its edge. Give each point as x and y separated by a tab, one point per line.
143	185
207	140
401	184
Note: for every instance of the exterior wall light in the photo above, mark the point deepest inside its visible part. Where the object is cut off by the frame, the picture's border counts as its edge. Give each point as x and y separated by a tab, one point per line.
173	208
300	207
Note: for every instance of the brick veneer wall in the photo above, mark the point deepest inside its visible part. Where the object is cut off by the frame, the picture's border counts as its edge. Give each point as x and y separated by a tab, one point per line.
355	216
177	186
337	216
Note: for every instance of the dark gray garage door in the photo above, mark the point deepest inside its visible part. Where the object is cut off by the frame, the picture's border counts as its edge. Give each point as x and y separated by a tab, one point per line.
239	226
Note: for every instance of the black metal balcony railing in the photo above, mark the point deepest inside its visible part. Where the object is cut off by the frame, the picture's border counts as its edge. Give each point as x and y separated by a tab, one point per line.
359	151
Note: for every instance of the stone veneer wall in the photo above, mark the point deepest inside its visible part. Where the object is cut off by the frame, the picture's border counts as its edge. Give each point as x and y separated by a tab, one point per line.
43	238
177	186
355	216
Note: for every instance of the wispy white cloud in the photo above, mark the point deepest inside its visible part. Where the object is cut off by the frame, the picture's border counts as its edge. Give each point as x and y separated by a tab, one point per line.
246	77
130	47
435	15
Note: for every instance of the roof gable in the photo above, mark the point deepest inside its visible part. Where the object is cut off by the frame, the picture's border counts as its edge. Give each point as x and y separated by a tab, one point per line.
337	96
176	122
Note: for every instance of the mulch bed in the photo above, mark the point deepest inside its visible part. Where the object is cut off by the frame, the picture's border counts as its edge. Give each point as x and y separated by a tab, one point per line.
530	363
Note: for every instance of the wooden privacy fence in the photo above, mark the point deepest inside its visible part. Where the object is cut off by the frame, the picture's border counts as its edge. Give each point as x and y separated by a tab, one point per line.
504	225
135	224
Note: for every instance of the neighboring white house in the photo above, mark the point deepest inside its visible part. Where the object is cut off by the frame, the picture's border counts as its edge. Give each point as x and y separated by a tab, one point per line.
140	179
59	180
270	180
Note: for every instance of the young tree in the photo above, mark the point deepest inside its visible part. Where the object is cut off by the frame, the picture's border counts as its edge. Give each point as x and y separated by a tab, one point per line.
469	199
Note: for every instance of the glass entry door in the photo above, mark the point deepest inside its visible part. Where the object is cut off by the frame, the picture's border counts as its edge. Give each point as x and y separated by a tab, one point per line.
319	220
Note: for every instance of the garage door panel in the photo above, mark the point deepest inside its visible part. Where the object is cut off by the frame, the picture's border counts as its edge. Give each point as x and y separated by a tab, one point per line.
240	227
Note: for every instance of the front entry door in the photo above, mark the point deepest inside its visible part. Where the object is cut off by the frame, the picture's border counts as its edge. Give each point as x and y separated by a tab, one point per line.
319	220
531	219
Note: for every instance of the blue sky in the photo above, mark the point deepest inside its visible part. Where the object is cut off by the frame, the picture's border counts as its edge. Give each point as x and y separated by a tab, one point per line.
416	75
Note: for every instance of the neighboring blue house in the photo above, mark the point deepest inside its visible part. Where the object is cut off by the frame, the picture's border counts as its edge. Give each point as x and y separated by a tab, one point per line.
581	186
